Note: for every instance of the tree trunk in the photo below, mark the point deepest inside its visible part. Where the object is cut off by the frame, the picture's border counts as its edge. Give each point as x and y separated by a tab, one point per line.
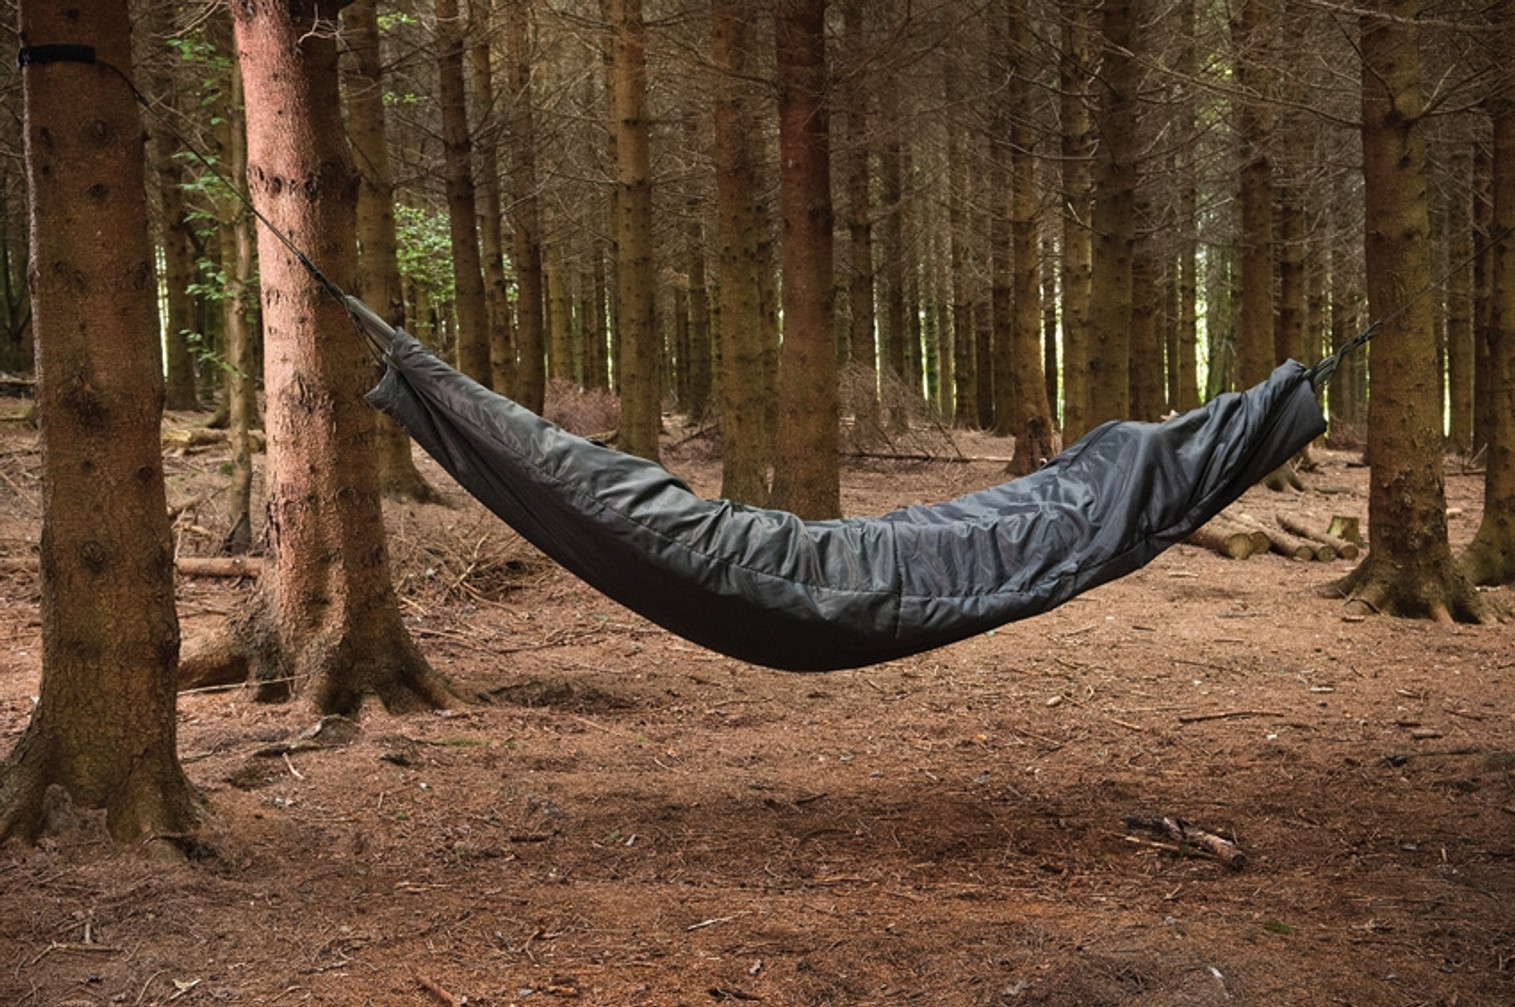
526	214
806	478
104	727
1075	77
1490	558
327	619
861	321
378	265
739	261
498	324
956	360
462	211
1114	217
1254	336
239	328
636	284
1184	364
1409	570
895	332
1460	303
1033	414
701	359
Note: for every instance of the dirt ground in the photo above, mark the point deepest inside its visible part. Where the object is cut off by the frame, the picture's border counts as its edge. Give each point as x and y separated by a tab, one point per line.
617	817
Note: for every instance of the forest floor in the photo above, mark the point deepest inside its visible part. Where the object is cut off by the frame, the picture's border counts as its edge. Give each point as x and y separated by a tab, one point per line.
616	817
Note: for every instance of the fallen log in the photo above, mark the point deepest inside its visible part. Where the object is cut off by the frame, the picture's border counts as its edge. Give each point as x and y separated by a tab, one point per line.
188	566
1281	541
1343	548
1226	537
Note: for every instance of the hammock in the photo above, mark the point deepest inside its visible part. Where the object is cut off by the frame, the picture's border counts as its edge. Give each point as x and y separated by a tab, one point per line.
766	587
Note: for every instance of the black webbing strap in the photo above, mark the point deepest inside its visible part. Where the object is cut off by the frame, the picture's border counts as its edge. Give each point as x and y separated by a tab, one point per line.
58	52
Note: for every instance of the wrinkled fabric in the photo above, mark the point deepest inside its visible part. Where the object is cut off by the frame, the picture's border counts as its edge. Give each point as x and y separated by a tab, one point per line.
766	587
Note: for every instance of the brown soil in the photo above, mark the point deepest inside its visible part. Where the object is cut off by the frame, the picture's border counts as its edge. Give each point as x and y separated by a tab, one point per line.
618	817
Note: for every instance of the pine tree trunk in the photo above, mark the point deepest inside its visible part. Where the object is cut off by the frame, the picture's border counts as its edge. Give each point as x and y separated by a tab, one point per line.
1185	365
104	727
526	215
378	267
1490	558
641	385
739	236
239	312
1033	414
1460	303
1409	569
1077	139
860	232
327	620
498	323
1114	220
806	478
1254	336
462	212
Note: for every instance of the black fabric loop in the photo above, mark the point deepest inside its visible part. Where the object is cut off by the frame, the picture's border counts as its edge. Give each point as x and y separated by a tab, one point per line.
60	52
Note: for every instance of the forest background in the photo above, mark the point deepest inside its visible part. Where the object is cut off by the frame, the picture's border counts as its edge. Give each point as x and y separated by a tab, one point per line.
1043	217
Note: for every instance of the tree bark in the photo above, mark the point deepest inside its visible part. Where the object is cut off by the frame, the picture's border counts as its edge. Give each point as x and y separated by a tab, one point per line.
806	477
498	323
103	731
379	282
860	280
1460	303
239	322
1254	336
1114	217
1032	422
1074	79
641	386
462	209
1490	558
526	214
1409	570
739	237
326	620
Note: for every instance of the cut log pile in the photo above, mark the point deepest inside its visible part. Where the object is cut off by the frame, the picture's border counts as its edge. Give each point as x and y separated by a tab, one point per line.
1239	535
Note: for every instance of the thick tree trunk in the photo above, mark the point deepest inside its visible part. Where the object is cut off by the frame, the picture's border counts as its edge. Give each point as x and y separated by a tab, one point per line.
526	214
327	620
1490	558
806	478
739	261
103	731
379	282
1409	570
636	284
1114	215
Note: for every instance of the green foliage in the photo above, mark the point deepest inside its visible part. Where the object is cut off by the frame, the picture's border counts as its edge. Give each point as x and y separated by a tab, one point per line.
425	251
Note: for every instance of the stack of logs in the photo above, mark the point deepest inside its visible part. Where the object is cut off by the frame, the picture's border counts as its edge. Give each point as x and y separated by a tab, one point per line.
1238	535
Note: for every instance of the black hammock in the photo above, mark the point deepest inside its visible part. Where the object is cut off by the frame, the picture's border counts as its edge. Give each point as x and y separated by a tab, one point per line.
767	587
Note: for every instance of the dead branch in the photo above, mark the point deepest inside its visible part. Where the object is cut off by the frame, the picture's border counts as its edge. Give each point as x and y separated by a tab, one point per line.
1190	836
